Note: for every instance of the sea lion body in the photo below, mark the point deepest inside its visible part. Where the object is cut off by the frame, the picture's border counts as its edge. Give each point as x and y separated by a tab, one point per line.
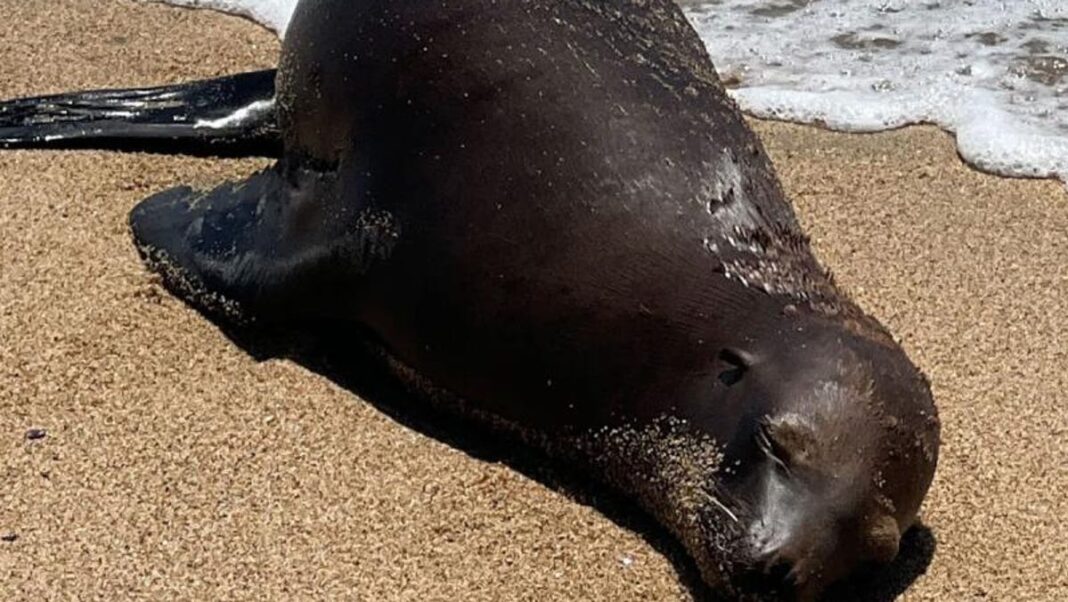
554	186
550	213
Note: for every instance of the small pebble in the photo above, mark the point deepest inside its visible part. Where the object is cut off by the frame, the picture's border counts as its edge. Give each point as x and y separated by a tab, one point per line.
9	536
34	434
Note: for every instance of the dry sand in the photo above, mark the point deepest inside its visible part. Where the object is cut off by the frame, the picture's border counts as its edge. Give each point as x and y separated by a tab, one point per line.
177	467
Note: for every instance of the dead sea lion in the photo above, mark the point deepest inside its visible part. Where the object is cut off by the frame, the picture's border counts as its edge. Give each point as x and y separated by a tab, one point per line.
551	218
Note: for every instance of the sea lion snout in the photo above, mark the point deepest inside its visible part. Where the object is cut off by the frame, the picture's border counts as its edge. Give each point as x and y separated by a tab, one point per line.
816	513
800	542
793	541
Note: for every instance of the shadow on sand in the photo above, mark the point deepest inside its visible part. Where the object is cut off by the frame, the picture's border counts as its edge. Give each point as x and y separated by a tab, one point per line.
357	368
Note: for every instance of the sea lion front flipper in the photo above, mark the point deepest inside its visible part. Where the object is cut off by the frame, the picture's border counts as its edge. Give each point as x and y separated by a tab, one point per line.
273	247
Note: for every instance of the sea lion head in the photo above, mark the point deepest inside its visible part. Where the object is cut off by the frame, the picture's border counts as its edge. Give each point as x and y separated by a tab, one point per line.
841	456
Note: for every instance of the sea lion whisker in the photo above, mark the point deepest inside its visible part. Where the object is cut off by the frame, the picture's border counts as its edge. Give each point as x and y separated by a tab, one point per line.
766	445
712	498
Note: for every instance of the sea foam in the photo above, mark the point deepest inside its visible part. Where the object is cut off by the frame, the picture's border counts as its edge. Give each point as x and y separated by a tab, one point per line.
272	14
993	72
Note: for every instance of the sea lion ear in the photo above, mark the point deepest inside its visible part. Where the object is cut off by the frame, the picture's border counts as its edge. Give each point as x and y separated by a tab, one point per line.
790	436
736	363
737	356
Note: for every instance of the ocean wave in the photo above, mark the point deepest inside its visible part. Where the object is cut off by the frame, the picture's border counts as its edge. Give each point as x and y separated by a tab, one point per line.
994	72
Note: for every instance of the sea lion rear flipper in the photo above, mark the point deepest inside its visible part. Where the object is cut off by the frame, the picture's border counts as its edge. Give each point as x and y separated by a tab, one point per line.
274	247
232	115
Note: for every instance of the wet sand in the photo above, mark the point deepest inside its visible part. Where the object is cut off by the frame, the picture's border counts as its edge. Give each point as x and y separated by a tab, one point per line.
175	466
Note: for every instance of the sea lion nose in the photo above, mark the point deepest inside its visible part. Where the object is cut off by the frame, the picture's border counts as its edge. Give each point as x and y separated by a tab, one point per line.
777	578
770	573
780	575
789	580
791	570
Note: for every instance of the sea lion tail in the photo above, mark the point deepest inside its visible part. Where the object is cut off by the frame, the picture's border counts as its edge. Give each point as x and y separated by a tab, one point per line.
228	116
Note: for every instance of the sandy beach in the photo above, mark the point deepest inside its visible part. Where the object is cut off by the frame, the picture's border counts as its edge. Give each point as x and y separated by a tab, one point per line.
175	466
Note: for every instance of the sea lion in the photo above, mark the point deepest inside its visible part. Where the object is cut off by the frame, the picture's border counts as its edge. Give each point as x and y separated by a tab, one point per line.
551	218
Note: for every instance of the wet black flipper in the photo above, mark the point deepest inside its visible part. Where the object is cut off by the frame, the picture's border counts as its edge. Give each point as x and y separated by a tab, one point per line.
273	248
228	116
